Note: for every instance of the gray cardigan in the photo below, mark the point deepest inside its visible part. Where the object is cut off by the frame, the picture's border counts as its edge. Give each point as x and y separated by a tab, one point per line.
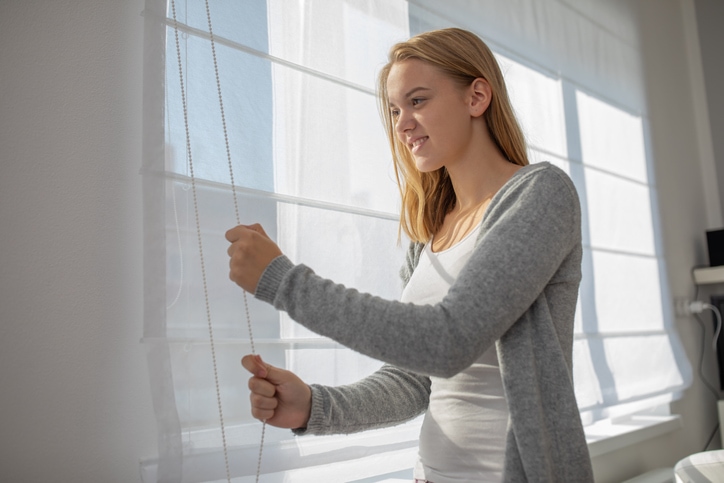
518	291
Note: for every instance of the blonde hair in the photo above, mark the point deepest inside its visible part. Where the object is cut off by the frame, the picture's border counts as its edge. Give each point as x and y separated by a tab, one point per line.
428	197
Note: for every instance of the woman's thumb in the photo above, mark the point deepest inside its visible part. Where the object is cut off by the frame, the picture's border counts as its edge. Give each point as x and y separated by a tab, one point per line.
254	364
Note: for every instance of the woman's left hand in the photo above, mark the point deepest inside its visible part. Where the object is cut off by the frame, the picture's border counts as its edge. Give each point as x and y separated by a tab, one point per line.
250	252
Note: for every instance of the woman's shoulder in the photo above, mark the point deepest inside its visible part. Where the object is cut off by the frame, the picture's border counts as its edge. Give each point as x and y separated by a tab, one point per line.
540	193
543	172
540	189
540	180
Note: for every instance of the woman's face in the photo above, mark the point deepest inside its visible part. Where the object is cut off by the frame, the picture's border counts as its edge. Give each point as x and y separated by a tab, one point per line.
431	113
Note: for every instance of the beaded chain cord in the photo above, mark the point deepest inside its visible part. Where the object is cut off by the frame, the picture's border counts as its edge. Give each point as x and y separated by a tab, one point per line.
198	226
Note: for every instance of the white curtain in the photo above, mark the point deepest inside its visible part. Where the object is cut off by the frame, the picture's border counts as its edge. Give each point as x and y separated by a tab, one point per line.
310	162
576	81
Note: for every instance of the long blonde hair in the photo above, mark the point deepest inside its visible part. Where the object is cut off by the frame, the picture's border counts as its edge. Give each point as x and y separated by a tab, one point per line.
428	197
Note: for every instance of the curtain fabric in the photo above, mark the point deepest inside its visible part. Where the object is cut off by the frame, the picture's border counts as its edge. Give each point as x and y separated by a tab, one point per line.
576	82
310	162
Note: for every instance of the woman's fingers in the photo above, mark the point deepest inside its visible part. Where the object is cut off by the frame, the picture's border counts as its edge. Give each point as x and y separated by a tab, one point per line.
262	387
263	402
278	396
262	407
250	252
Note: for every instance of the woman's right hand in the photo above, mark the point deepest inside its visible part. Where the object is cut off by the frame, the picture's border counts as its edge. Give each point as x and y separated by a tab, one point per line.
278	396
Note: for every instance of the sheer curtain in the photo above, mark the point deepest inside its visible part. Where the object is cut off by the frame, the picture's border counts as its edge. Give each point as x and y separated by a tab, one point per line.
576	81
310	162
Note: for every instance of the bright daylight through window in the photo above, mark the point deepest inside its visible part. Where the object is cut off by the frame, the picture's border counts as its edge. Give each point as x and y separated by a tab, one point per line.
312	165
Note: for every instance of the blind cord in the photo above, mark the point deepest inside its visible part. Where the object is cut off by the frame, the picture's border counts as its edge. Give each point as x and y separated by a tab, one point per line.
198	228
236	210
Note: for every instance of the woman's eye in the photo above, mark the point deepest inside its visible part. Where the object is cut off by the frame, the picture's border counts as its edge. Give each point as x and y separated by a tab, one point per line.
416	101
395	112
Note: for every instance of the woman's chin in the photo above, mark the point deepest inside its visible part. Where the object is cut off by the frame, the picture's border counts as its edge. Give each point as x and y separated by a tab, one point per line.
426	165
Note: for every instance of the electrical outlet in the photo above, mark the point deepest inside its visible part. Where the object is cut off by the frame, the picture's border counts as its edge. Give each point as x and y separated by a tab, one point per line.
685	307
681	307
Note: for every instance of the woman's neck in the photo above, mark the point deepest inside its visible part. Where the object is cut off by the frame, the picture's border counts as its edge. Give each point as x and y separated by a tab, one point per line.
475	185
478	182
481	171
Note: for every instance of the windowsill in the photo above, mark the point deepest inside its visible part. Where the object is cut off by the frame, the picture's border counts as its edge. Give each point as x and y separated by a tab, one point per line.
602	437
607	436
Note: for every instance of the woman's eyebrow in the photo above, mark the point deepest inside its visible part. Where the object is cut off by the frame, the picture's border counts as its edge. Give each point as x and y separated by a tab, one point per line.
411	92
416	89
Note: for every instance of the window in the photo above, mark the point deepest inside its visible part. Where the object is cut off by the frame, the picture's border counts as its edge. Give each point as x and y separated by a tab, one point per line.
575	81
310	162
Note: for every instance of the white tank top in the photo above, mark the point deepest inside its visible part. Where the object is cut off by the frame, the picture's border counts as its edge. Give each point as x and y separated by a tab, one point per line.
464	430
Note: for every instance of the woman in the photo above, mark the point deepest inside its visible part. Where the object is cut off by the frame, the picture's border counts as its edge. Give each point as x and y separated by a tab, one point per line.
492	275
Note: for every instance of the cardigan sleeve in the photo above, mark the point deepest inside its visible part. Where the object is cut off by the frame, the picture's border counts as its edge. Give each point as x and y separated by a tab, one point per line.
530	227
388	397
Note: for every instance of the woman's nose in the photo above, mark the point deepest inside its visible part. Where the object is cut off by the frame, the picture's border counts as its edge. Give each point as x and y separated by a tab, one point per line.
404	123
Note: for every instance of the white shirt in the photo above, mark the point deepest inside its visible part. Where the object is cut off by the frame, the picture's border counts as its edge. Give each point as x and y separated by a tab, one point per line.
464	430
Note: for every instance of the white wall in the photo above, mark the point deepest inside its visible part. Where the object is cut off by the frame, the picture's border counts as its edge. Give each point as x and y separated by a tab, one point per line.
74	398
75	402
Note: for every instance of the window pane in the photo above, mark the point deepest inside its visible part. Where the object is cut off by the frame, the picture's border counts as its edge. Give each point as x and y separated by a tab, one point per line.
246	88
642	365
611	139
195	389
225	15
329	144
628	294
620	375
347	39
619	213
538	103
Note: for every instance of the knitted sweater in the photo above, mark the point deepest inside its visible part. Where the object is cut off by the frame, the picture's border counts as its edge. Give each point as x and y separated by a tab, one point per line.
518	291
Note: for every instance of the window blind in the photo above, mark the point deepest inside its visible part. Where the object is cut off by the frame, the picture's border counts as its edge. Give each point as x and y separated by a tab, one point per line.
576	82
310	163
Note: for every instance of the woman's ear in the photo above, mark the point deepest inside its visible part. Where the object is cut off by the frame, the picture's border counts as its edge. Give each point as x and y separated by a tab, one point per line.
480	96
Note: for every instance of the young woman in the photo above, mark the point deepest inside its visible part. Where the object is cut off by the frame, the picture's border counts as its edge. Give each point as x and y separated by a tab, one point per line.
481	340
